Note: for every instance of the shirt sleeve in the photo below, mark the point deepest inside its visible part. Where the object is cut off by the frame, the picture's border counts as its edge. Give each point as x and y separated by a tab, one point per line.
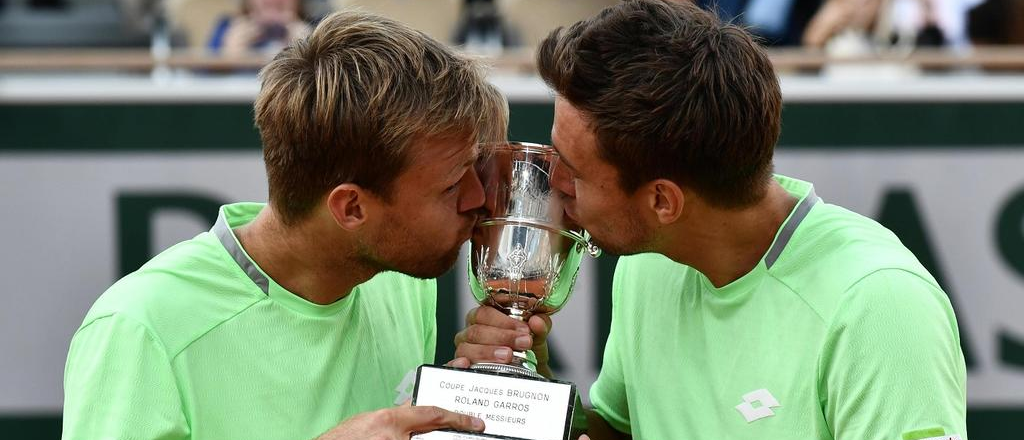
118	384
891	366
608	393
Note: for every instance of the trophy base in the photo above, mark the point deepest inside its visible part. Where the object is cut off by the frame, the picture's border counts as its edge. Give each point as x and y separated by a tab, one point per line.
507	370
514	402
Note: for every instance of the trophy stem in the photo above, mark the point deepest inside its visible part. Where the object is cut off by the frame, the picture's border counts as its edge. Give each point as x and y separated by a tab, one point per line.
516	313
520	358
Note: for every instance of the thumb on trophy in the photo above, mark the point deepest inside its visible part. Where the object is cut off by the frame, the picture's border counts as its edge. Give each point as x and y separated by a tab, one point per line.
540	326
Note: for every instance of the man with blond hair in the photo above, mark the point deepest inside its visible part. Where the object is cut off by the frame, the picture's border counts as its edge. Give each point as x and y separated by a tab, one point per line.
298	318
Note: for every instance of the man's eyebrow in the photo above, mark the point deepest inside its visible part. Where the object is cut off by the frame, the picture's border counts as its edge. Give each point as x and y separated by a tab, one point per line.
475	155
561	158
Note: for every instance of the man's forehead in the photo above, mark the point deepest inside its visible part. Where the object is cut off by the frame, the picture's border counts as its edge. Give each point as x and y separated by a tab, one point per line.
443	147
570	131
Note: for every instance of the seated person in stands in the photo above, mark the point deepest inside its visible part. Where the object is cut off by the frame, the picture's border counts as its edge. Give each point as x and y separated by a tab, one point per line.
263	26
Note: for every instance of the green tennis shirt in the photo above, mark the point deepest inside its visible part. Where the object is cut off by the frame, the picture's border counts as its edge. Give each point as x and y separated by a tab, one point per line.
837	333
201	344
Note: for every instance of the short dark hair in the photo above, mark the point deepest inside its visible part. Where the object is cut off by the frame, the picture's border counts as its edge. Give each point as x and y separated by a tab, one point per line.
671	92
344	104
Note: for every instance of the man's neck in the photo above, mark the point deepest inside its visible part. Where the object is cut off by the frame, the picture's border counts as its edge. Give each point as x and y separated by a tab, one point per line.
724	245
297	259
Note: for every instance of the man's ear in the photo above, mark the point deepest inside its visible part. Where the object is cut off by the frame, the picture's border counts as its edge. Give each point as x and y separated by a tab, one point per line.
349	204
665	199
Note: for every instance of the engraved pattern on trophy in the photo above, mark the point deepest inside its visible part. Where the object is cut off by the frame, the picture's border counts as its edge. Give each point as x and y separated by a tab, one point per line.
515	264
531	191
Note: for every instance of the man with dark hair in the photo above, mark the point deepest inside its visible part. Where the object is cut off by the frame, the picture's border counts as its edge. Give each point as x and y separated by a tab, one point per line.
747	307
288	318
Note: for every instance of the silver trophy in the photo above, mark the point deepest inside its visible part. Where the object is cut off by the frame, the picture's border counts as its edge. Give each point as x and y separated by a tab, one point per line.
525	253
524	256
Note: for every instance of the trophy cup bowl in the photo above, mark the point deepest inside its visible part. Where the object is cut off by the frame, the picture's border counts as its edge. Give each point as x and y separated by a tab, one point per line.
525	252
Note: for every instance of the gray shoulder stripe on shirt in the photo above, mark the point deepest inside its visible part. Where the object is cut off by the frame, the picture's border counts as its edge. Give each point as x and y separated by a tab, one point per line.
790	227
227	239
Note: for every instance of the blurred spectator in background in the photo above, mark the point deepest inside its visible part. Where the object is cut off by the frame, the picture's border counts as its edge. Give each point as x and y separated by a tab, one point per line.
997	22
865	26
482	28
850	26
534	19
68	24
262	25
777	22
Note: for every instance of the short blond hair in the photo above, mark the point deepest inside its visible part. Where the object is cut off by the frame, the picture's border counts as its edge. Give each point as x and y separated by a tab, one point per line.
343	104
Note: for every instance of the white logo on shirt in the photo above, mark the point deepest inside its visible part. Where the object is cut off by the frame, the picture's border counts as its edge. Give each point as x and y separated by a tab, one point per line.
757	405
405	388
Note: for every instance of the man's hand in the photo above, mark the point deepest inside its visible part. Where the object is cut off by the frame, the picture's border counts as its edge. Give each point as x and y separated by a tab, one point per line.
490	336
400	423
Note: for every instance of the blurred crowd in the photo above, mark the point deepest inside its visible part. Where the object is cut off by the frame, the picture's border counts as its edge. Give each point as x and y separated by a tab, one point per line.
493	26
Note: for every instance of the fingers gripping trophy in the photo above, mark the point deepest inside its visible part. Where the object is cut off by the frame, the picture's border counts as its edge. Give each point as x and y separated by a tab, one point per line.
524	258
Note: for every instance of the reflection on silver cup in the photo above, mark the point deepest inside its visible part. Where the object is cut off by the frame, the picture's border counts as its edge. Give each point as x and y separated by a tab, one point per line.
525	253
